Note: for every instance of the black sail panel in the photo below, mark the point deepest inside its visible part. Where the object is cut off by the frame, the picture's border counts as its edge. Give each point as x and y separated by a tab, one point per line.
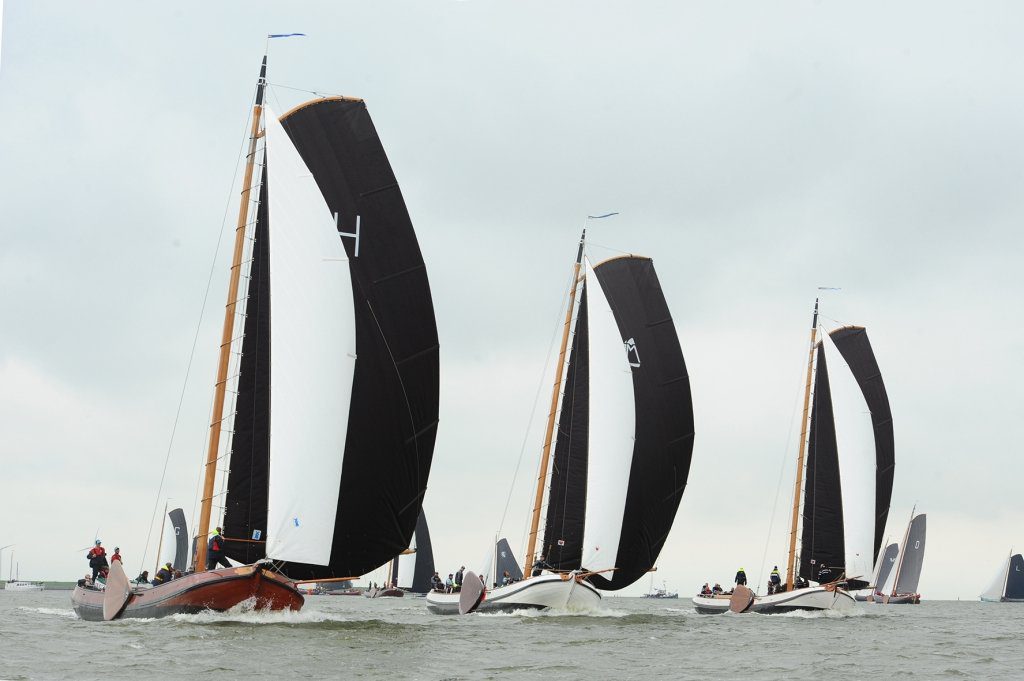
664	415
506	560
181	557
1015	578
854	346
567	488
245	512
392	421
424	558
823	538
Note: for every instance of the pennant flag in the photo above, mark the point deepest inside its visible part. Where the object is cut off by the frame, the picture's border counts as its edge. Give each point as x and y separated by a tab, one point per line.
285	35
598	217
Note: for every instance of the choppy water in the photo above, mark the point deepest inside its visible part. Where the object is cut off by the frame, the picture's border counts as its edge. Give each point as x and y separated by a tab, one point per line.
629	638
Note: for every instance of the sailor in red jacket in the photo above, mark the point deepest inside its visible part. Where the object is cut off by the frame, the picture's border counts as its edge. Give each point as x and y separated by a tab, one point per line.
97	559
117	555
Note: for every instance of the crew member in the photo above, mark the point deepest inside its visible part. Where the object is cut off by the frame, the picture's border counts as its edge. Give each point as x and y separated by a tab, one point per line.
824	574
774	581
215	552
741	577
539	566
458	578
164	575
117	555
97	559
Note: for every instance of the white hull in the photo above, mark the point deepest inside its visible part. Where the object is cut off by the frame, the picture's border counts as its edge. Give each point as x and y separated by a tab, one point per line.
23	586
811	598
535	593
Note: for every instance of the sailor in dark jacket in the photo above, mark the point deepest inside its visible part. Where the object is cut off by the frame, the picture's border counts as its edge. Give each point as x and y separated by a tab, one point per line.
741	577
824	574
539	566
164	575
215	552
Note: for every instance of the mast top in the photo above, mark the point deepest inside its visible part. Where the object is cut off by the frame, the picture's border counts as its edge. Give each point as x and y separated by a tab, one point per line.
579	253
814	322
261	84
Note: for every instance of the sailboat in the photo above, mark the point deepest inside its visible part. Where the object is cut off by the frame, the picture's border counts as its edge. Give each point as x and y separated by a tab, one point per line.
883	566
847	437
622	456
1008	586
899	585
337	373
663	592
15	583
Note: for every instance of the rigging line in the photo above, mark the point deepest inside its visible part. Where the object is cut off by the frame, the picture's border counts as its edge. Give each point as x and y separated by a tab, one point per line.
533	411
195	342
608	248
298	89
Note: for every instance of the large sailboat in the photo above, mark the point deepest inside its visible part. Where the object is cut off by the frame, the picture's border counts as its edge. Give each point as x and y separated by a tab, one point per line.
844	478
337	374
622	455
1008	585
898	586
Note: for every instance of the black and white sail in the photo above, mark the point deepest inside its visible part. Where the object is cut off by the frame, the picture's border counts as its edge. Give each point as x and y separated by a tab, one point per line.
1009	582
337	404
850	460
625	433
412	570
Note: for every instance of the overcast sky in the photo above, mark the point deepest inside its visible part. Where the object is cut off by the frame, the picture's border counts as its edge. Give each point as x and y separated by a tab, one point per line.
755	150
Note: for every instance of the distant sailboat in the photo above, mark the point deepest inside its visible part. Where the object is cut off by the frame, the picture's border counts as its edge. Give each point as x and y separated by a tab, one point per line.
15	583
622	456
883	566
339	338
899	585
1008	586
845	480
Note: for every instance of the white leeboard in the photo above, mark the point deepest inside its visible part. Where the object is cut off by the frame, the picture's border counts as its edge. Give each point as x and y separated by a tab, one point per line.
612	423
313	348
855	441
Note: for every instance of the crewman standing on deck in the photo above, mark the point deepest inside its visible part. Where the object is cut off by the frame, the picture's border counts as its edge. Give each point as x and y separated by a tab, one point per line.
741	577
215	552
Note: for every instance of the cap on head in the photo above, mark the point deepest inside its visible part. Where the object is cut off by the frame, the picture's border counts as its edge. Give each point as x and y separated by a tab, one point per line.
117	549
98	542
167	565
218	530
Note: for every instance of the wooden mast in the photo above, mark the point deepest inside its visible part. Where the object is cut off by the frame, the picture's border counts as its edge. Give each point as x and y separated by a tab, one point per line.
800	457
160	544
545	456
229	326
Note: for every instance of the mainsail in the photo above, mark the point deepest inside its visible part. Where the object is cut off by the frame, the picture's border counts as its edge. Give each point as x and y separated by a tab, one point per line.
912	556
1014	590
625	438
886	563
181	554
337	403
850	460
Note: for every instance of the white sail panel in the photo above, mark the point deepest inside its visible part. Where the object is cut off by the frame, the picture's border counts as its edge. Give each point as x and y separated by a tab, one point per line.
612	433
855	440
997	589
313	348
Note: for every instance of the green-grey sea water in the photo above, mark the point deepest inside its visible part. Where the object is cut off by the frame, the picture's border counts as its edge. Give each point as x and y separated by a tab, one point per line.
628	638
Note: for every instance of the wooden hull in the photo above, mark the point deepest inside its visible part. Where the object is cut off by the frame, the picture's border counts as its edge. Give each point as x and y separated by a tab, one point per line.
384	593
216	590
898	599
812	598
535	593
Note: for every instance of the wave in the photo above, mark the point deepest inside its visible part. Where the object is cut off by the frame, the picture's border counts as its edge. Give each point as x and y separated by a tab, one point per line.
66	613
